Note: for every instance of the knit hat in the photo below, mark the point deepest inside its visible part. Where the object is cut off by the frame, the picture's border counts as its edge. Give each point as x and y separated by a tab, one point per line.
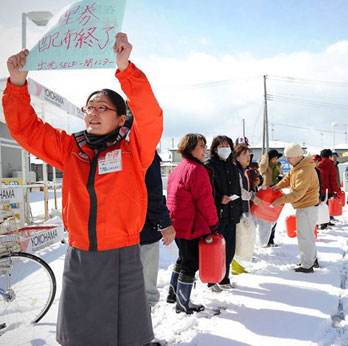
293	150
273	153
334	153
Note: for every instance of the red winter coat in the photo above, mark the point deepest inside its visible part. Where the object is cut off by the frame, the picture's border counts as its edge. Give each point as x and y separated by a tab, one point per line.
328	176
190	200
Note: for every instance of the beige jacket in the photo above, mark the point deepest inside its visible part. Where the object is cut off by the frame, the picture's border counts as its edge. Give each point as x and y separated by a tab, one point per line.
304	185
266	171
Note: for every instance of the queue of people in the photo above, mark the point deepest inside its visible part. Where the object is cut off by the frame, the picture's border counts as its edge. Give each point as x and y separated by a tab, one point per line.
113	201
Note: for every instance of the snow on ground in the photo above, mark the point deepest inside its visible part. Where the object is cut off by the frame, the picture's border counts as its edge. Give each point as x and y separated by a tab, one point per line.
271	305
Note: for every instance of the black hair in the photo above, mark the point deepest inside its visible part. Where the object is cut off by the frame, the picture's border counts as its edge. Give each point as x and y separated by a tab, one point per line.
115	98
326	153
216	142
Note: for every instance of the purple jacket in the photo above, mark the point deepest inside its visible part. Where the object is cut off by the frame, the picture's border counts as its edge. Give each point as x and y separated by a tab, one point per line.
190	200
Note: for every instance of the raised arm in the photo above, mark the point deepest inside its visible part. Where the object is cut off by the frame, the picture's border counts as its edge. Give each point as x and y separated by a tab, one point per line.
37	137
148	116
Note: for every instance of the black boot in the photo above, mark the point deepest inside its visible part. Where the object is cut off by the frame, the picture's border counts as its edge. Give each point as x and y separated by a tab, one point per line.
183	303
171	298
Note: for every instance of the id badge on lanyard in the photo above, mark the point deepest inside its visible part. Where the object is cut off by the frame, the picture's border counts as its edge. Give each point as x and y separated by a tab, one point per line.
111	163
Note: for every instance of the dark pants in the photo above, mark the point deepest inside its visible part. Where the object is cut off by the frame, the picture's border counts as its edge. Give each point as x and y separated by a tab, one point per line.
271	238
229	233
188	261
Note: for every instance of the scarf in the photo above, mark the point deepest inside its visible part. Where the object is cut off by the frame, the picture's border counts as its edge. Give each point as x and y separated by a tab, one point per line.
103	141
275	172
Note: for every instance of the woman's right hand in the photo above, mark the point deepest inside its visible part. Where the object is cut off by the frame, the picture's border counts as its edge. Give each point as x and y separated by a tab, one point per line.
257	201
14	63
225	199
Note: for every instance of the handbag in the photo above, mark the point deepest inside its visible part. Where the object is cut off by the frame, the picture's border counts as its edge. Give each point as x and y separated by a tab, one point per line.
245	237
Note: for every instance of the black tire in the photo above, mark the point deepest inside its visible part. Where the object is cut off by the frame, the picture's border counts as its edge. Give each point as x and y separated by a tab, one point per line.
32	285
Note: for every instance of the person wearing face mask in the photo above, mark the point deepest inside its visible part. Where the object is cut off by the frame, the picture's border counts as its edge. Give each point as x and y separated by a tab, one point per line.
227	191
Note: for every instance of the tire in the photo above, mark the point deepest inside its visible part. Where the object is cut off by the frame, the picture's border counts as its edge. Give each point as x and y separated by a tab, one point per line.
31	284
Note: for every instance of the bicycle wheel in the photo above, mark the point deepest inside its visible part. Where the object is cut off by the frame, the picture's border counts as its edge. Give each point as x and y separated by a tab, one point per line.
30	285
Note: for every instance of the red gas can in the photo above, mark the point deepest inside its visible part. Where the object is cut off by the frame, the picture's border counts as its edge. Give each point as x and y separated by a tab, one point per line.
266	211
343	198
290	222
335	206
212	258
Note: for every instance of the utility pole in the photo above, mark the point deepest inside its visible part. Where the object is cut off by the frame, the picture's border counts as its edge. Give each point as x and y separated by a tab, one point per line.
243	127
265	138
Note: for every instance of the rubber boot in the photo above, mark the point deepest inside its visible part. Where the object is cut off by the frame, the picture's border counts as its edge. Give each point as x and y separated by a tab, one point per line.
183	303
236	268
171	298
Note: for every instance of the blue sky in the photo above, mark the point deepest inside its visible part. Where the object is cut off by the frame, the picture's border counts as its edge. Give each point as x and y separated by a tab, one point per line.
261	27
189	43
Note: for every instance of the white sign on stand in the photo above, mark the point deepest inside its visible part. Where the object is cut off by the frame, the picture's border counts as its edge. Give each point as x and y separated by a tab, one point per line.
36	238
11	197
11	194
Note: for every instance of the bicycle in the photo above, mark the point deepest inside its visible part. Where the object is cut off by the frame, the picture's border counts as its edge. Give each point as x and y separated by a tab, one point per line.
27	283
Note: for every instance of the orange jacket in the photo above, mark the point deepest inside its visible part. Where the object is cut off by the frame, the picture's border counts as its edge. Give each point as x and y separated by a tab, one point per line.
106	211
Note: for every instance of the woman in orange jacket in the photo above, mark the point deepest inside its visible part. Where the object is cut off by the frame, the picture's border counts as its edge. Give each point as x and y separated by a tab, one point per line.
104	201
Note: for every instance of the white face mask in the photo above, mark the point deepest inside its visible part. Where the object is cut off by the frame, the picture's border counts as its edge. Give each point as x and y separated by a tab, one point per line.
224	153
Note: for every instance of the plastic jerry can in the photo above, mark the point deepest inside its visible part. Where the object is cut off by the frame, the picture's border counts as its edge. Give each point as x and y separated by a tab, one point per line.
343	198
212	258
266	211
290	222
335	206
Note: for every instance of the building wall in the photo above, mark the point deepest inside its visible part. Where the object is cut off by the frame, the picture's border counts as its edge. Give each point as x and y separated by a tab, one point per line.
10	157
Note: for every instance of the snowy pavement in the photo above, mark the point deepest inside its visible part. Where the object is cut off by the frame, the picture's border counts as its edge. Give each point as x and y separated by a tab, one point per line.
272	305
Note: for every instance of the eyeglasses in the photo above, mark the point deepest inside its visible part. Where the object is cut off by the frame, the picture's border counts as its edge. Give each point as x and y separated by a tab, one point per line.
98	109
202	146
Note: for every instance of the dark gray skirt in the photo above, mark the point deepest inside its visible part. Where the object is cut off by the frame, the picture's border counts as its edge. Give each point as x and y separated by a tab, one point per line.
103	300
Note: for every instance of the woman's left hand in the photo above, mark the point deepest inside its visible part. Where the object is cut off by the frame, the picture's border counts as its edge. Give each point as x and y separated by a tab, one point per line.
123	49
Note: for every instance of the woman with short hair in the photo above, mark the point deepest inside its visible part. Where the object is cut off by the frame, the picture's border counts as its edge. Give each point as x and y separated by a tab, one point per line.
193	214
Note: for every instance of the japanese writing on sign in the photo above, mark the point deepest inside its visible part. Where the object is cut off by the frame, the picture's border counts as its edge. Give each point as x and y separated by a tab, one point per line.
81	36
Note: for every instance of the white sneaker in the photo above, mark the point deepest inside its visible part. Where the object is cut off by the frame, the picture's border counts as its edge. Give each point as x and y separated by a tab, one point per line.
215	288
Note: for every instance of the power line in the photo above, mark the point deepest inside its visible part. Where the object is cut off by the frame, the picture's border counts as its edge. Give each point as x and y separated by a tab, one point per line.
308	81
307	128
305	102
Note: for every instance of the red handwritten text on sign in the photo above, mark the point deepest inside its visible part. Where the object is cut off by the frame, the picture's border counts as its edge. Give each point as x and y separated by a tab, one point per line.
80	35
